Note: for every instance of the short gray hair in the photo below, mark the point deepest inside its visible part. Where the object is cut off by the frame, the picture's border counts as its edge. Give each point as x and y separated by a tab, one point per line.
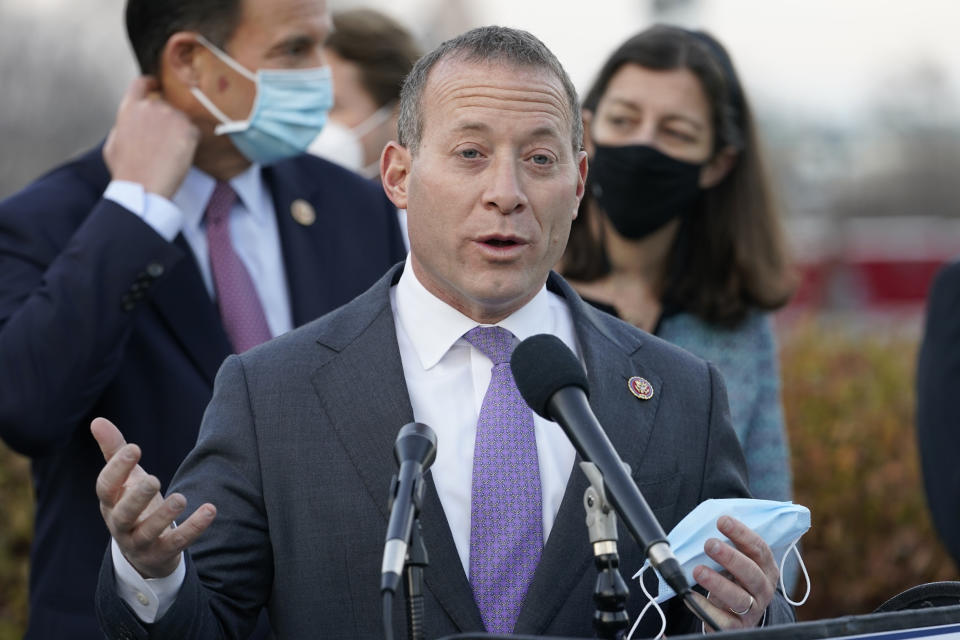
484	44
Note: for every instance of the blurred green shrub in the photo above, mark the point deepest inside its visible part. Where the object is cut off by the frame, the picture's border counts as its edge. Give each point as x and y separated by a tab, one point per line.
849	402
16	527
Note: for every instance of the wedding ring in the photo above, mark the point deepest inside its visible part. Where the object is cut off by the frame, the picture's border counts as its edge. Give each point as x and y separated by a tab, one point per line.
745	611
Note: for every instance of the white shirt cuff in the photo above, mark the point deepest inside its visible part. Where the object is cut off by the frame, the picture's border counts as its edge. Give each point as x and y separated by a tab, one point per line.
149	598
158	212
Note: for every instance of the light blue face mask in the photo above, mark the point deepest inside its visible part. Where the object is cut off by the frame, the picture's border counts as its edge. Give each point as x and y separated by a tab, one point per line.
289	111
780	524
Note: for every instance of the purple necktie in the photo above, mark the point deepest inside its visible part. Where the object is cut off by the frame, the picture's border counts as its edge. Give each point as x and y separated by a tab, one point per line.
506	527
240	308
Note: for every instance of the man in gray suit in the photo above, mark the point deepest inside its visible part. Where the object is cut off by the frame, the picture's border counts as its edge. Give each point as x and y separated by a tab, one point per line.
293	460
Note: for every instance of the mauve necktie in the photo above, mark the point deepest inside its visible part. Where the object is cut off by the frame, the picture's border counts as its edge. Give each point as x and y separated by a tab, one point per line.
506	527
240	308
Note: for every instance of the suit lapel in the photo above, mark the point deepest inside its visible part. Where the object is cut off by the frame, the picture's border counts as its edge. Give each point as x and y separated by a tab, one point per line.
628	422
182	301
306	263
368	431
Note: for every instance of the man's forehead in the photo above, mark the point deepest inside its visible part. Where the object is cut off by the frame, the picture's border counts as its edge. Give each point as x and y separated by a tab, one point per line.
458	84
493	72
267	15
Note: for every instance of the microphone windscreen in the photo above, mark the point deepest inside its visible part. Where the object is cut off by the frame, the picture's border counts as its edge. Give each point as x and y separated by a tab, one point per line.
541	366
416	442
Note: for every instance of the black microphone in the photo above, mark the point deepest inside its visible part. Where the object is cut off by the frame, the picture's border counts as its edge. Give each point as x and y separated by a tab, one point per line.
415	451
554	384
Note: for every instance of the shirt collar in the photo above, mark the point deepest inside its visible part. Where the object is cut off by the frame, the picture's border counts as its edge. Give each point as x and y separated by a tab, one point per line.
433	326
197	187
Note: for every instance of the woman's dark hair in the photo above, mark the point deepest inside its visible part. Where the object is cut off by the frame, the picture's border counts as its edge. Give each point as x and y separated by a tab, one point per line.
380	46
730	255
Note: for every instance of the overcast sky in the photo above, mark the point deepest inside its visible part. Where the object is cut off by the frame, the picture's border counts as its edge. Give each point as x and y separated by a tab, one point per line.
819	58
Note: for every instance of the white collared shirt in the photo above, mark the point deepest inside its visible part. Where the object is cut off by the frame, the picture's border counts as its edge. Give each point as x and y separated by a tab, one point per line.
253	230
447	379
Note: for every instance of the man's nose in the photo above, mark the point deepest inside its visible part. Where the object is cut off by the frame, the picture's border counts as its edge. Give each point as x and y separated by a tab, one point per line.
505	190
319	58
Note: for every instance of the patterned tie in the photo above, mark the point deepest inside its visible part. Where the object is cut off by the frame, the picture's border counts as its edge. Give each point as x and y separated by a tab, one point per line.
240	307
506	527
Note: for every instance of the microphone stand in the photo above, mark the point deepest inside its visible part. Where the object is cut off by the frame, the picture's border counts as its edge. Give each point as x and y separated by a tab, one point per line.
610	620
413	568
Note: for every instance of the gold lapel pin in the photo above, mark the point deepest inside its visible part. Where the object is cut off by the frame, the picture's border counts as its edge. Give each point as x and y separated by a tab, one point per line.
303	212
640	387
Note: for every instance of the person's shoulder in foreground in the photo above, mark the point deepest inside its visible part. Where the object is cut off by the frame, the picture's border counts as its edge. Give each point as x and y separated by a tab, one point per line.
938	378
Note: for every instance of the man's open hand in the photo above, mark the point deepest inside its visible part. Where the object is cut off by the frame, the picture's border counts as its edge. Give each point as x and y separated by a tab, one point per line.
136	514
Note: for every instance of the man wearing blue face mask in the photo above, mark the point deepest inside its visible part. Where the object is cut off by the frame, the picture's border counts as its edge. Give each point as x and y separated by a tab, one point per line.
197	230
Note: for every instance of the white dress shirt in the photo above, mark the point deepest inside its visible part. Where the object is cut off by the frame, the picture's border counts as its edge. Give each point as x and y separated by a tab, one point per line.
447	379
253	230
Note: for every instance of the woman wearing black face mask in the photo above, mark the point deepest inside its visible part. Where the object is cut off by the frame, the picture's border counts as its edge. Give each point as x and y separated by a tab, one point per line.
677	234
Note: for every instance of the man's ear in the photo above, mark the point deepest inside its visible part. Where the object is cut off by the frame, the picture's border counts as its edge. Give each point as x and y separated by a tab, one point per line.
395	164
179	60
718	167
581	178
587	117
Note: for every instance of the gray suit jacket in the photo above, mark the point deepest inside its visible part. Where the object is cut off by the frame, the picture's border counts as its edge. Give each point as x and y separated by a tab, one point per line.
296	452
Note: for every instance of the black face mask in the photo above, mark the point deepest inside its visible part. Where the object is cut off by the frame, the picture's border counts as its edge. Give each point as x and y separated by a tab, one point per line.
641	189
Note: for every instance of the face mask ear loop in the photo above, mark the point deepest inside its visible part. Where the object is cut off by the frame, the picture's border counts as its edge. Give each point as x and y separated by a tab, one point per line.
226	124
226	59
373	121
651	602
803	567
208	104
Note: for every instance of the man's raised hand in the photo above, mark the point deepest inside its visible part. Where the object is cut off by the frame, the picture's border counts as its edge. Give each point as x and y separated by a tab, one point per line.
152	143
135	512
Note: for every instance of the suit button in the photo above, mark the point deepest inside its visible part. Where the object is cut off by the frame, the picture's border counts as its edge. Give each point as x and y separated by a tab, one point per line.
154	269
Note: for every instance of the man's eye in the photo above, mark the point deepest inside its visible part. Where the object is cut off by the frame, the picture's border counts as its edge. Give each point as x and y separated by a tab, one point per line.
541	159
298	47
469	154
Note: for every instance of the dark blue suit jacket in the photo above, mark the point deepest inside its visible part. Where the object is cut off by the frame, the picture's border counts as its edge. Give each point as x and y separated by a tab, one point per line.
100	316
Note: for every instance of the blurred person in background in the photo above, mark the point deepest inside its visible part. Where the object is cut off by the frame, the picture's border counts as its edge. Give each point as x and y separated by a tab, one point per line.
677	233
938	414
199	229
369	54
